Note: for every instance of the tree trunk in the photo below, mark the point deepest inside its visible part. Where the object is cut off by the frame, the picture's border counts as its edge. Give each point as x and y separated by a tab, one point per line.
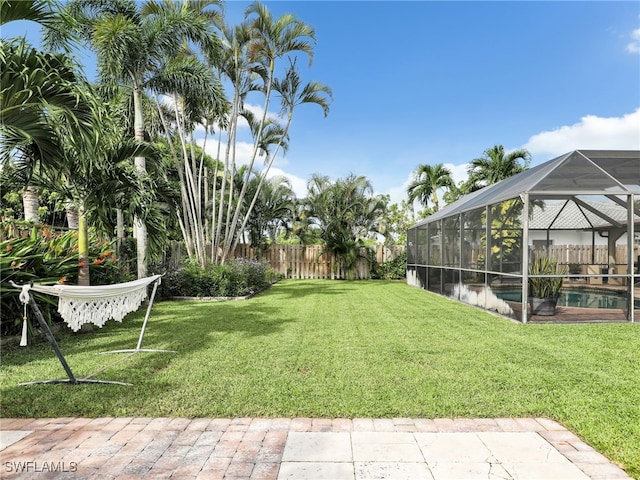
31	204
119	229
141	166
141	247
83	251
73	220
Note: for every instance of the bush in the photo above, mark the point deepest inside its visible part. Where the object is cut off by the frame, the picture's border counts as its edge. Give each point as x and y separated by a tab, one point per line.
395	269
236	278
46	257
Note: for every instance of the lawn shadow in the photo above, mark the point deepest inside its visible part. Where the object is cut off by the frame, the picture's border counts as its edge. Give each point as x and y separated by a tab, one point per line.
293	289
182	326
185	325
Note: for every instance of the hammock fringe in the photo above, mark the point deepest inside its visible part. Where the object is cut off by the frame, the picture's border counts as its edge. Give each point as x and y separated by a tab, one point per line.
79	305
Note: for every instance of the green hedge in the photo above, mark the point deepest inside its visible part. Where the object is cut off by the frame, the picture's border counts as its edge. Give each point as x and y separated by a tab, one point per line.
237	278
395	269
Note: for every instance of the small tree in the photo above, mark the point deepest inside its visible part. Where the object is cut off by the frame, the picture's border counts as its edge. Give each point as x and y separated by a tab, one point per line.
347	214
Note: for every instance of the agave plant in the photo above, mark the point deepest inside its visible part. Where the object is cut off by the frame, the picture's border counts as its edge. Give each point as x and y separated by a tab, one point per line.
545	287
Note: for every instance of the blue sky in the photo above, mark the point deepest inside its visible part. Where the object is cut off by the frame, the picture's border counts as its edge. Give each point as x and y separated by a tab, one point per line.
439	82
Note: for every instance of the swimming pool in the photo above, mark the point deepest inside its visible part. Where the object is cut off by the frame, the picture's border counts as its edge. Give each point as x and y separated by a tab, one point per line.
585	298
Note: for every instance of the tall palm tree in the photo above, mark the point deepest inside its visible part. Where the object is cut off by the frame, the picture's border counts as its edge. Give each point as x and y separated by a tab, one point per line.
270	39
241	71
427	180
292	95
195	95
495	166
130	41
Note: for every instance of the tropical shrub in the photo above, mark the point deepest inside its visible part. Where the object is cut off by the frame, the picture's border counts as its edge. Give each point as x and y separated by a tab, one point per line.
236	278
348	215
46	257
395	269
545	287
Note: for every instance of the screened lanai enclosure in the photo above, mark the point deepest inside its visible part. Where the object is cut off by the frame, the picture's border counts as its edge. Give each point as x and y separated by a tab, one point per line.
578	214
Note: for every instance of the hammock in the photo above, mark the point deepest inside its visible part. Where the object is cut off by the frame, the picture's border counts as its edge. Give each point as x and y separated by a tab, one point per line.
79	305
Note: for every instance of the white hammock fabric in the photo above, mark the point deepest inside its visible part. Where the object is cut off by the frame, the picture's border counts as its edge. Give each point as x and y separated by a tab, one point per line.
79	305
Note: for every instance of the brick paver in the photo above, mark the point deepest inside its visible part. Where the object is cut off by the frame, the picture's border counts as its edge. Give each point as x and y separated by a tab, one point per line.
234	448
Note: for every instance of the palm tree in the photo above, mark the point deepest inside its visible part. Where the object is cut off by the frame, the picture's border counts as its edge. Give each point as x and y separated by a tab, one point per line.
35	87
91	176
273	210
292	95
427	180
347	213
195	94
35	10
98	180
130	42
496	166
268	40
38	91
241	71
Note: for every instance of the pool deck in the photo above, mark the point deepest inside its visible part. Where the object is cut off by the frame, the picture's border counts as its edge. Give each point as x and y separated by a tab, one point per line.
581	315
565	314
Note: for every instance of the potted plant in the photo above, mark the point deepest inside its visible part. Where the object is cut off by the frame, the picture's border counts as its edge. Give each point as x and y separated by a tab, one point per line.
544	291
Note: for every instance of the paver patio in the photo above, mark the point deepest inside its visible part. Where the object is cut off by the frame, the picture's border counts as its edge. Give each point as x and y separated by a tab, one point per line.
299	448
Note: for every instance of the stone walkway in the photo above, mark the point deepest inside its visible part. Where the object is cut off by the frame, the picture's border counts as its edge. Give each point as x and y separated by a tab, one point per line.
299	448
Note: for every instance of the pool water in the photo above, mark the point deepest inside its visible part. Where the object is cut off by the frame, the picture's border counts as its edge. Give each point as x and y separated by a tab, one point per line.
578	298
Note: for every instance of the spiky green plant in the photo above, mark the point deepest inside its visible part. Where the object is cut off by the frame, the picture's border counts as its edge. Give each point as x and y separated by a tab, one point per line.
545	287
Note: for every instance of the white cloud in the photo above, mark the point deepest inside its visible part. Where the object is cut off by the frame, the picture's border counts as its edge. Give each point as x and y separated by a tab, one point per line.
299	185
258	111
634	45
399	193
458	172
591	133
244	151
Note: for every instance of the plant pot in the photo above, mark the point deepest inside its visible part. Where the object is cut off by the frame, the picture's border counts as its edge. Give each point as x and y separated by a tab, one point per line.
543	306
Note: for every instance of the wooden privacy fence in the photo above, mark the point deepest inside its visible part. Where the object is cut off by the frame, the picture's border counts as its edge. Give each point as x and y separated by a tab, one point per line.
581	254
307	261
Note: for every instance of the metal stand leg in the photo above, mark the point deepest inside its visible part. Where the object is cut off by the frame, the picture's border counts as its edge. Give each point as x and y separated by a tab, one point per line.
144	327
72	379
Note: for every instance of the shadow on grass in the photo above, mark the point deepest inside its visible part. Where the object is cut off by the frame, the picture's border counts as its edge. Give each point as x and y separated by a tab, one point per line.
298	289
183	326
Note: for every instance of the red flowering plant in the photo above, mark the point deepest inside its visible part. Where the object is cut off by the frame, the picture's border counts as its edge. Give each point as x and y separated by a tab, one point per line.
46	257
104	266
31	259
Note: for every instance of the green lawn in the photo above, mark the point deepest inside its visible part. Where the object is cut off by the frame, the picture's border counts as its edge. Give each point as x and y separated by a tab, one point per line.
345	349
